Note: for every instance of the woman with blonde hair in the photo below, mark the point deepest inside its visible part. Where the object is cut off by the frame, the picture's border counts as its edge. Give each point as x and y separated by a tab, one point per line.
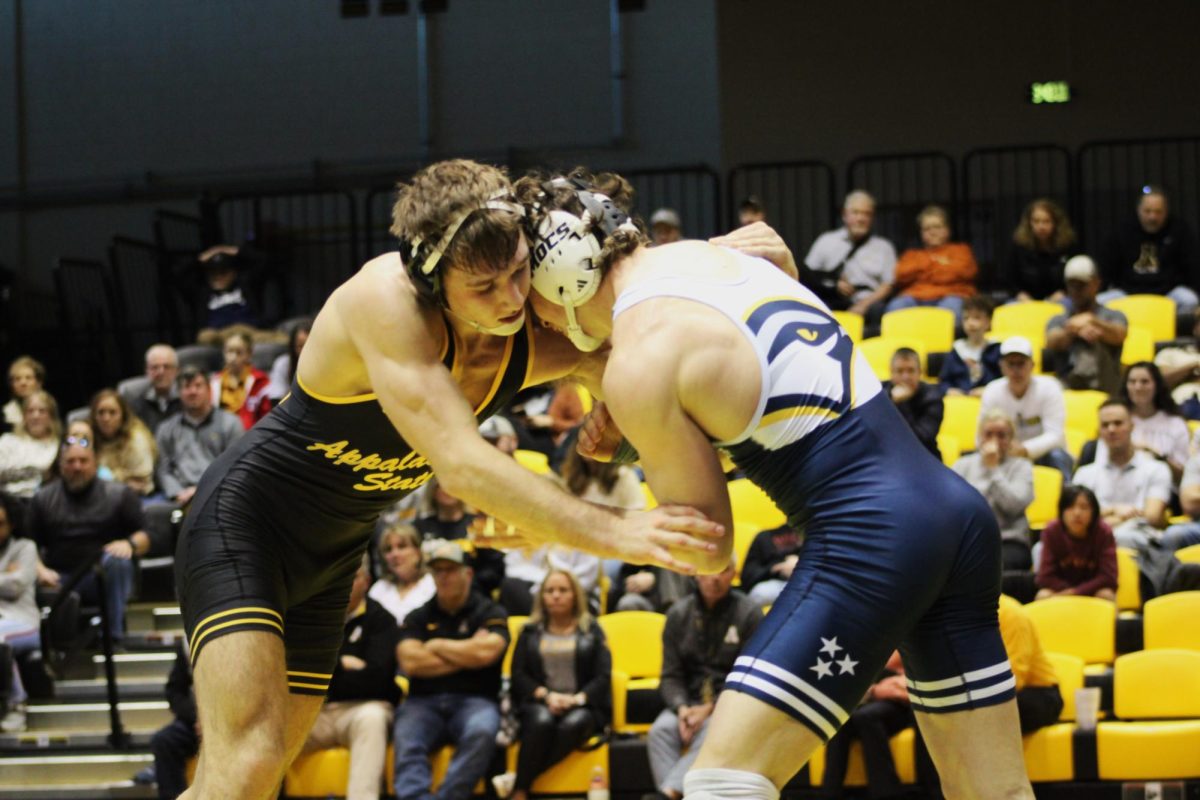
405	583
26	456
561	676
123	443
26	375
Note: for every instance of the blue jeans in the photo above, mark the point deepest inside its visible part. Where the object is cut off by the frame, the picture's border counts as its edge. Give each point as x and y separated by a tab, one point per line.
951	301
1185	534
425	723
1185	298
118	585
22	639
1060	460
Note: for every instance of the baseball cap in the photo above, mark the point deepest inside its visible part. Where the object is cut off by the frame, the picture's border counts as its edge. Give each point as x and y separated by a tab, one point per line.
1016	345
665	216
444	550
495	427
1079	268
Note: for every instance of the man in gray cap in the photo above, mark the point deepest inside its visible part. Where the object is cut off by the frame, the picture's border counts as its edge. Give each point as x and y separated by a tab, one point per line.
450	649
665	226
1091	336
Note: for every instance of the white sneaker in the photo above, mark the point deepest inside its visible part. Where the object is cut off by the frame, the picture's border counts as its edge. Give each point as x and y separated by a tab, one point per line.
14	720
504	784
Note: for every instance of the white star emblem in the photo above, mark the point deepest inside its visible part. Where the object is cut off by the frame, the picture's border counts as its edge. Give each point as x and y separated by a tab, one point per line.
824	669
830	646
847	666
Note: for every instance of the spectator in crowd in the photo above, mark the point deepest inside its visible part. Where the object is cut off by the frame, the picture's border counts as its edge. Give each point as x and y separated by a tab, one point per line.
79	516
1091	336
918	402
1158	427
1133	487
227	296
26	375
283	370
1180	365
500	433
1078	554
1186	534
123	443
769	563
192	439
703	634
1005	481
973	362
643	588
1034	402
884	712
1153	254
1041	245
27	454
241	388
160	399
751	210
548	430
179	740
451	519
851	268
665	226
358	709
451	649
1039	701
940	273
561	675
405	584
20	619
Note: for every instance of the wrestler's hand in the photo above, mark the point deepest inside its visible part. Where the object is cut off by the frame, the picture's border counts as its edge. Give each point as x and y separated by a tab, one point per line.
649	537
760	239
599	434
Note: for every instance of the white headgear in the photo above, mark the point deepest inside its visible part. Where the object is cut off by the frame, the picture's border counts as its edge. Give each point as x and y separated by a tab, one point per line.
564	255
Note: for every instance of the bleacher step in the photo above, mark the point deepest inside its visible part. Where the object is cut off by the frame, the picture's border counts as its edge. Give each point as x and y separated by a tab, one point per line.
92	717
95	690
153	617
26	772
68	741
155	665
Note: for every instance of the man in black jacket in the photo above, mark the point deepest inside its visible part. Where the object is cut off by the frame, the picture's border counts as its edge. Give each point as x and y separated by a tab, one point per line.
1154	254
918	402
363	692
769	563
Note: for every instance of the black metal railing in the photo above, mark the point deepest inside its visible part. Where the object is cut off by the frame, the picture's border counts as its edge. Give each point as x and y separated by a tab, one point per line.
800	198
903	184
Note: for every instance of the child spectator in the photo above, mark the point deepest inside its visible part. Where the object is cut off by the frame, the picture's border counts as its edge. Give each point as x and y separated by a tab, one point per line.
241	388
973	362
1078	552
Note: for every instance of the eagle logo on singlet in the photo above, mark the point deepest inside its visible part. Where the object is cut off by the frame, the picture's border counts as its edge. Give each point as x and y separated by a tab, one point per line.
381	474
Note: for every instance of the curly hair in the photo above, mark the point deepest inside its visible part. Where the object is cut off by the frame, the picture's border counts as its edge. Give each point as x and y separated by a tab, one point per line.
536	193
438	194
129	421
1064	234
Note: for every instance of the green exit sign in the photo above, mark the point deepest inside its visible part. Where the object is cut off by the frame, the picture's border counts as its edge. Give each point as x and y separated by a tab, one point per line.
1049	92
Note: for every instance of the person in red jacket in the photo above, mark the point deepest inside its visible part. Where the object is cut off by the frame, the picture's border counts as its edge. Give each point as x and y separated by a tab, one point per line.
941	273
241	388
1079	554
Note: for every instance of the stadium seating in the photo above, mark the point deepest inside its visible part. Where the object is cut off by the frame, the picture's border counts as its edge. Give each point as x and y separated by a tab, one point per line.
879	349
1082	408
1129	590
515	623
1138	346
1189	555
932	326
1152	312
852	323
751	504
960	419
1172	621
1047	487
635	639
1079	626
1049	751
533	460
1025	319
949	448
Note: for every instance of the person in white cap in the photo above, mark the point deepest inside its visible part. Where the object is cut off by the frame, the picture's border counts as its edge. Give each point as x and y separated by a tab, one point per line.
1091	336
665	226
1034	403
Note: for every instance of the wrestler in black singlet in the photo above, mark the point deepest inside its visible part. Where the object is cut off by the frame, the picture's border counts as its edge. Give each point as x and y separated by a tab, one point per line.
280	521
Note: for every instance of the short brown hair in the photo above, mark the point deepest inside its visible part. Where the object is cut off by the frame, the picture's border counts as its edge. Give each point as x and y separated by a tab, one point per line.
439	194
979	302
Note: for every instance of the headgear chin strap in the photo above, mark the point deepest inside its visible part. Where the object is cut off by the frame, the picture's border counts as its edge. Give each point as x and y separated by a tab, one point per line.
565	252
499	330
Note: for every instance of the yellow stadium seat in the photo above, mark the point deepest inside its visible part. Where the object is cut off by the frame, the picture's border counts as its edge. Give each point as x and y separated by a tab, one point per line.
903	754
960	419
1152	312
1157	684
1083	405
1189	555
533	461
649	495
516	622
570	776
635	639
743	536
751	504
948	447
928	324
1138	346
1069	670
878	351
852	323
1047	488
320	773
1076	439
1080	626
1050	753
1148	751
1025	319
1171	621
1129	590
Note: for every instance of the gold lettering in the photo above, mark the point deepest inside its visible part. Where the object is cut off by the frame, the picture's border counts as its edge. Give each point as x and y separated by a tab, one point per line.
331	450
370	462
352	457
388	465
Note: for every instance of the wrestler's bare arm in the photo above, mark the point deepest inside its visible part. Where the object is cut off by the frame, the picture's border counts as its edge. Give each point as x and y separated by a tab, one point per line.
425	404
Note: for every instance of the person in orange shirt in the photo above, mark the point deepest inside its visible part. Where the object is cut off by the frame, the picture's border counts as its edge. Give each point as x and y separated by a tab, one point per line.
1038	700
941	273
